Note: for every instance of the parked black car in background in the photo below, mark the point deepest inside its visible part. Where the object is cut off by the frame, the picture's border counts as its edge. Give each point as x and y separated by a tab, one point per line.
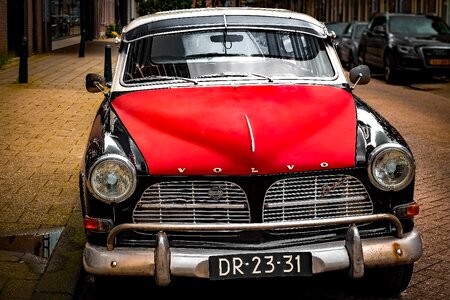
399	43
349	44
338	28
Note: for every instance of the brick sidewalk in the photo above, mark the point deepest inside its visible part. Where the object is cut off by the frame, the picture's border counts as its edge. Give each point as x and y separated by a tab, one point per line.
43	129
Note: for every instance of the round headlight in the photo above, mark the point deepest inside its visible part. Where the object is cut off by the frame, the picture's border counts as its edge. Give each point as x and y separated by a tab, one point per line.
112	178
391	167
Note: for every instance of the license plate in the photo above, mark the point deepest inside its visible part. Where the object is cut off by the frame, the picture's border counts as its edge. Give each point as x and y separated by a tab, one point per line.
260	265
440	62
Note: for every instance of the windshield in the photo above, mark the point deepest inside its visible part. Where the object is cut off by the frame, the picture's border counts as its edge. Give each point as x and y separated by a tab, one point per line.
418	25
202	54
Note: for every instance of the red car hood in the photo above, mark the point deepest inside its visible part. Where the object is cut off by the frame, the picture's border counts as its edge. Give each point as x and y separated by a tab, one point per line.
241	130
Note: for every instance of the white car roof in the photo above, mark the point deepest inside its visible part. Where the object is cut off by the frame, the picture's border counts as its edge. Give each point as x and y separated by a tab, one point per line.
262	17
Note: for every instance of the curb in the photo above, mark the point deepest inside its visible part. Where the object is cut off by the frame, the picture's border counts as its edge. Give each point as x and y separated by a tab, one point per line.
64	267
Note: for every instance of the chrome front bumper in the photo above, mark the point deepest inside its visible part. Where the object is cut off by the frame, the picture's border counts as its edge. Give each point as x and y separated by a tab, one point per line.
162	262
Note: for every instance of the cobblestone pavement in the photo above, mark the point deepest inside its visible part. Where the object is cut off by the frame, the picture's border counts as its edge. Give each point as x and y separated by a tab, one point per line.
43	129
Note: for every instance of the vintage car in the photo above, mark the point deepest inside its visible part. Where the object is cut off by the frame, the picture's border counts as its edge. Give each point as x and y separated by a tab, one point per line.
230	145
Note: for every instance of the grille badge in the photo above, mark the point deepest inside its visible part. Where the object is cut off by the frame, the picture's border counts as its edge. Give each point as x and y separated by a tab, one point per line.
215	193
439	52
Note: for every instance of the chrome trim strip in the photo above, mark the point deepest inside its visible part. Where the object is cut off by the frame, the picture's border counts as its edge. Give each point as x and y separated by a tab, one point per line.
313	202
250	227
225	21
193	206
252	138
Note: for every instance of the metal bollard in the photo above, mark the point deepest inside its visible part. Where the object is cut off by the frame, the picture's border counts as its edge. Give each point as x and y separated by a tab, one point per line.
82	44
108	64
23	65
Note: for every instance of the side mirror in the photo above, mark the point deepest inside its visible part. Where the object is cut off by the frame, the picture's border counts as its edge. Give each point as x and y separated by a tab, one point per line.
95	83
359	75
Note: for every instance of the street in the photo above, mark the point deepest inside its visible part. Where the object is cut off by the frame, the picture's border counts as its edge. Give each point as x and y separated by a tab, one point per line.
421	114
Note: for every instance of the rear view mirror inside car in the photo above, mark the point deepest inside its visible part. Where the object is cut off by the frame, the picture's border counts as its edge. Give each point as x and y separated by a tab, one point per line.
230	38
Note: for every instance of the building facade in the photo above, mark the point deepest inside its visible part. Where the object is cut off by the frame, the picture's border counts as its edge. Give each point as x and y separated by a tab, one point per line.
363	10
52	24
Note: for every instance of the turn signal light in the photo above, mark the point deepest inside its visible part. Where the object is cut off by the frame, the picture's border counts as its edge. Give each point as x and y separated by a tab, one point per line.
407	211
97	224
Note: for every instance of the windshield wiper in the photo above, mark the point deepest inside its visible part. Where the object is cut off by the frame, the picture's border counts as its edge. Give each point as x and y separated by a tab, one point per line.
234	74
159	77
212	54
262	76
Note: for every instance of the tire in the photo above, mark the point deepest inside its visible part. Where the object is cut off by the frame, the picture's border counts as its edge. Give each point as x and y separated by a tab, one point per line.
389	281
391	76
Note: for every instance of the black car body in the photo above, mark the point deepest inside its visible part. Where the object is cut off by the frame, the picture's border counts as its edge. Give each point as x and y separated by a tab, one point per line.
403	44
230	145
349	44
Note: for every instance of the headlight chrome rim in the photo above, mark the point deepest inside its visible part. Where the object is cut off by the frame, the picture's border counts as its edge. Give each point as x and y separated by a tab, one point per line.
121	161
378	153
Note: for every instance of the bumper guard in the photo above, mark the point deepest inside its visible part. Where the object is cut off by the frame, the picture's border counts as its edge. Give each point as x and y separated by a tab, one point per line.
162	261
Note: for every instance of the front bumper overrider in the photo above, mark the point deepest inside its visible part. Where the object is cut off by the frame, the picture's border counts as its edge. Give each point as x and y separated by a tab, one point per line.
164	261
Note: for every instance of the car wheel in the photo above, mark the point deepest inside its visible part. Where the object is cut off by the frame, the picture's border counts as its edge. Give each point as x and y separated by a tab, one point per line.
390	75
389	281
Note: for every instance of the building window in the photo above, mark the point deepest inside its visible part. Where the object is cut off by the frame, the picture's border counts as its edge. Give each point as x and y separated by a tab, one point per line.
65	18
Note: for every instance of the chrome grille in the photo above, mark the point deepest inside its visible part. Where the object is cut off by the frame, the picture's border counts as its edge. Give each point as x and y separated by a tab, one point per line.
316	197
192	202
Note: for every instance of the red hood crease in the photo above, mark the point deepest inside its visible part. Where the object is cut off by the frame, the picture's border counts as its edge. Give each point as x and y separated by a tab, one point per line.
204	130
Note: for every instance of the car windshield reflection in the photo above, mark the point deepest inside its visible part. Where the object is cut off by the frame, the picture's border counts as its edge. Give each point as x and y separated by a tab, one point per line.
417	25
197	54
